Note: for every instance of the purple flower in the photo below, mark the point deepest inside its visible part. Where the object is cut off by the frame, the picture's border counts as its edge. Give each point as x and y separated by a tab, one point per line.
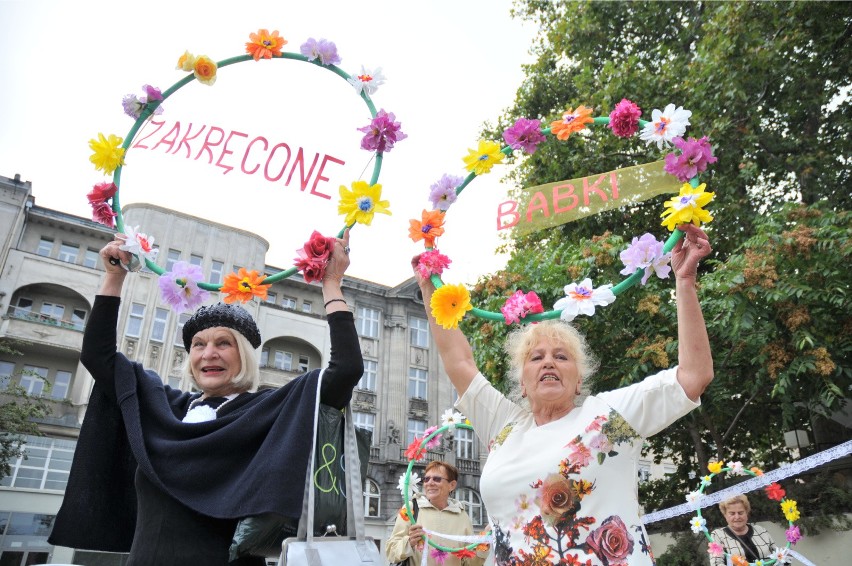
152	93
793	534
694	157
382	133
324	50
525	134
624	119
443	193
439	556
134	106
179	287
646	252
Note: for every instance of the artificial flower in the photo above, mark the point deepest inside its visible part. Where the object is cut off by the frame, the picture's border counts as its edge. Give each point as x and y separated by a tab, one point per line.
432	262
572	121
139	244
450	418
205	70
433	442
381	133
413	481
759	562
362	202
415	451
134	106
519	305
716	467
102	213
465	553
780	555
706	480
482	159
756	471
791	512
524	134
793	534
738	560
694	157
483	546
101	192
715	549
687	207
439	556
244	285
646	252
179	287
265	45
582	298
666	125
624	119
322	49
442	193
775	492
403	514
698	524
449	304
186	62
429	227
736	467
108	153
313	256
693	497
368	81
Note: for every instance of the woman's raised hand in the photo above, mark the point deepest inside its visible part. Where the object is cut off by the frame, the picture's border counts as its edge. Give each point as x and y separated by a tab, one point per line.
689	251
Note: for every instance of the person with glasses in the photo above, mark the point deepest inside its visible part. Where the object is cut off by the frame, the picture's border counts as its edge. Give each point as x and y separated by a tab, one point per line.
438	513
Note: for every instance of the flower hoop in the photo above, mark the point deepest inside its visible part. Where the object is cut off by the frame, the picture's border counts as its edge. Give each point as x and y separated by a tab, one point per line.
645	255
774	491
417	451
359	204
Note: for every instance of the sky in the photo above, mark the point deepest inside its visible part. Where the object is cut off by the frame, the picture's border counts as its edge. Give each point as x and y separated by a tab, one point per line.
450	67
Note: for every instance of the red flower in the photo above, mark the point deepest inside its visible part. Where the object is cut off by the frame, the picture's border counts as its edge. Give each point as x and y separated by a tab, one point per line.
775	492
414	450
465	553
101	192
313	257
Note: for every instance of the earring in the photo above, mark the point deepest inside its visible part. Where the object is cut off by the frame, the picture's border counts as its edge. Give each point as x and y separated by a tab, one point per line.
578	391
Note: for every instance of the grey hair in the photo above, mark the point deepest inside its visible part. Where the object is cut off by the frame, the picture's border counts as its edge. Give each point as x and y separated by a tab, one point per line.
249	377
522	340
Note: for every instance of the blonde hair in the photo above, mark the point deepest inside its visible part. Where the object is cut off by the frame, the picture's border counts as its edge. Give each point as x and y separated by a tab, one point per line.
248	379
741	499
522	340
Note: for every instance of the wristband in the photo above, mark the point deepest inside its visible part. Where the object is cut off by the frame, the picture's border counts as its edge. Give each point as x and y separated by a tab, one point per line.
334	301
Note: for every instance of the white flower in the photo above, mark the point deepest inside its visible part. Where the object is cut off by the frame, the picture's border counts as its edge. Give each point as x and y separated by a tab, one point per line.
706	480
698	524
736	467
450	418
367	81
693	497
581	298
139	244
413	482
665	125
780	555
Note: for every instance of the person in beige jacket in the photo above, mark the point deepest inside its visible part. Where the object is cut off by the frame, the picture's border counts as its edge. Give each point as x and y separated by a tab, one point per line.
437	512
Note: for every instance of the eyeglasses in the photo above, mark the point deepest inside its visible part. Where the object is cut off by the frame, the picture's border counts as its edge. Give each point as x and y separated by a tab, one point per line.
436	479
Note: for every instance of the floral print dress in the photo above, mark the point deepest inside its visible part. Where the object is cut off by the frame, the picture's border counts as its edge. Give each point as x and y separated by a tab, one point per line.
566	492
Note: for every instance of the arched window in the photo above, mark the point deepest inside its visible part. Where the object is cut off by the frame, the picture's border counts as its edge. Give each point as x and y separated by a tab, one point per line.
473	504
372	498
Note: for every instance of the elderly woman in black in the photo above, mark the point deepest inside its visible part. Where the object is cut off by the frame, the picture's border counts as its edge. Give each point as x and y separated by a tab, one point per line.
741	538
166	474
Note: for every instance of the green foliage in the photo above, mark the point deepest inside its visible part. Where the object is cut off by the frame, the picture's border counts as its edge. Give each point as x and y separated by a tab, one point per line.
687	550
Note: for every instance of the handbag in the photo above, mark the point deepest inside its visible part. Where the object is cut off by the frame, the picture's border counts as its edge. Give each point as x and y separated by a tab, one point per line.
331	549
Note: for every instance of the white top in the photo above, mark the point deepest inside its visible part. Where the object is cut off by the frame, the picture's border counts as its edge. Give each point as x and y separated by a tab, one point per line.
569	487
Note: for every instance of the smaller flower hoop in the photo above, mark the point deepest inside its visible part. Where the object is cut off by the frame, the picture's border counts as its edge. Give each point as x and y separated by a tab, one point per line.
703	485
423	443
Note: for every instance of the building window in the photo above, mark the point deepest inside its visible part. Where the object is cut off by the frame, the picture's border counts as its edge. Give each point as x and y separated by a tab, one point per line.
179	330
417	383
283	360
53	311
288	303
217	271
45	466
7	369
372	498
134	320
196	260
271	297
45	247
33	379
418	329
368	379
367	322
364	420
90	259
61	385
464	443
306	306
304	363
68	253
25	305
416	427
264	357
158	329
473	504
644	471
172	259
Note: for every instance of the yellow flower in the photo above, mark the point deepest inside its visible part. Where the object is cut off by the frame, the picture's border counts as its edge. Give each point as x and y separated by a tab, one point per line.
483	159
108	153
791	512
686	207
362	202
449	305
715	467
186	62
205	70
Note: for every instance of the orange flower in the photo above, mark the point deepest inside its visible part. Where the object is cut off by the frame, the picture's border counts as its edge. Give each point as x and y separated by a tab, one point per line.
428	228
739	560
403	513
264	44
243	286
572	121
756	471
205	70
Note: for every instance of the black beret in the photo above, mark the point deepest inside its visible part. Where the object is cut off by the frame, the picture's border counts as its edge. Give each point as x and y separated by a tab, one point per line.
234	317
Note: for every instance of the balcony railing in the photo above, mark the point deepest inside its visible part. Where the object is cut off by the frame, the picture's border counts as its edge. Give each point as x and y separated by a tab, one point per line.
467	466
38	318
429	457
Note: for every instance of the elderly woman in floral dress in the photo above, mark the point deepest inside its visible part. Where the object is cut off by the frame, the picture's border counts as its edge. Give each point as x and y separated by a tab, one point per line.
560	480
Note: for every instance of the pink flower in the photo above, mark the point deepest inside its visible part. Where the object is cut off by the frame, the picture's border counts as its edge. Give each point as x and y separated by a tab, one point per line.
443	192
525	134
624	119
694	157
435	441
611	542
102	213
793	534
313	256
179	287
715	549
439	556
382	132
580	455
431	263
519	305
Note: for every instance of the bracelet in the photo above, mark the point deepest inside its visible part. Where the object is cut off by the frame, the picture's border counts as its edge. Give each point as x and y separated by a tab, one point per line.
334	301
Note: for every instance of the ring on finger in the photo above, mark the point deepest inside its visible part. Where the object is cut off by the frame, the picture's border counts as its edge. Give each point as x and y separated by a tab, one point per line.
346	250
